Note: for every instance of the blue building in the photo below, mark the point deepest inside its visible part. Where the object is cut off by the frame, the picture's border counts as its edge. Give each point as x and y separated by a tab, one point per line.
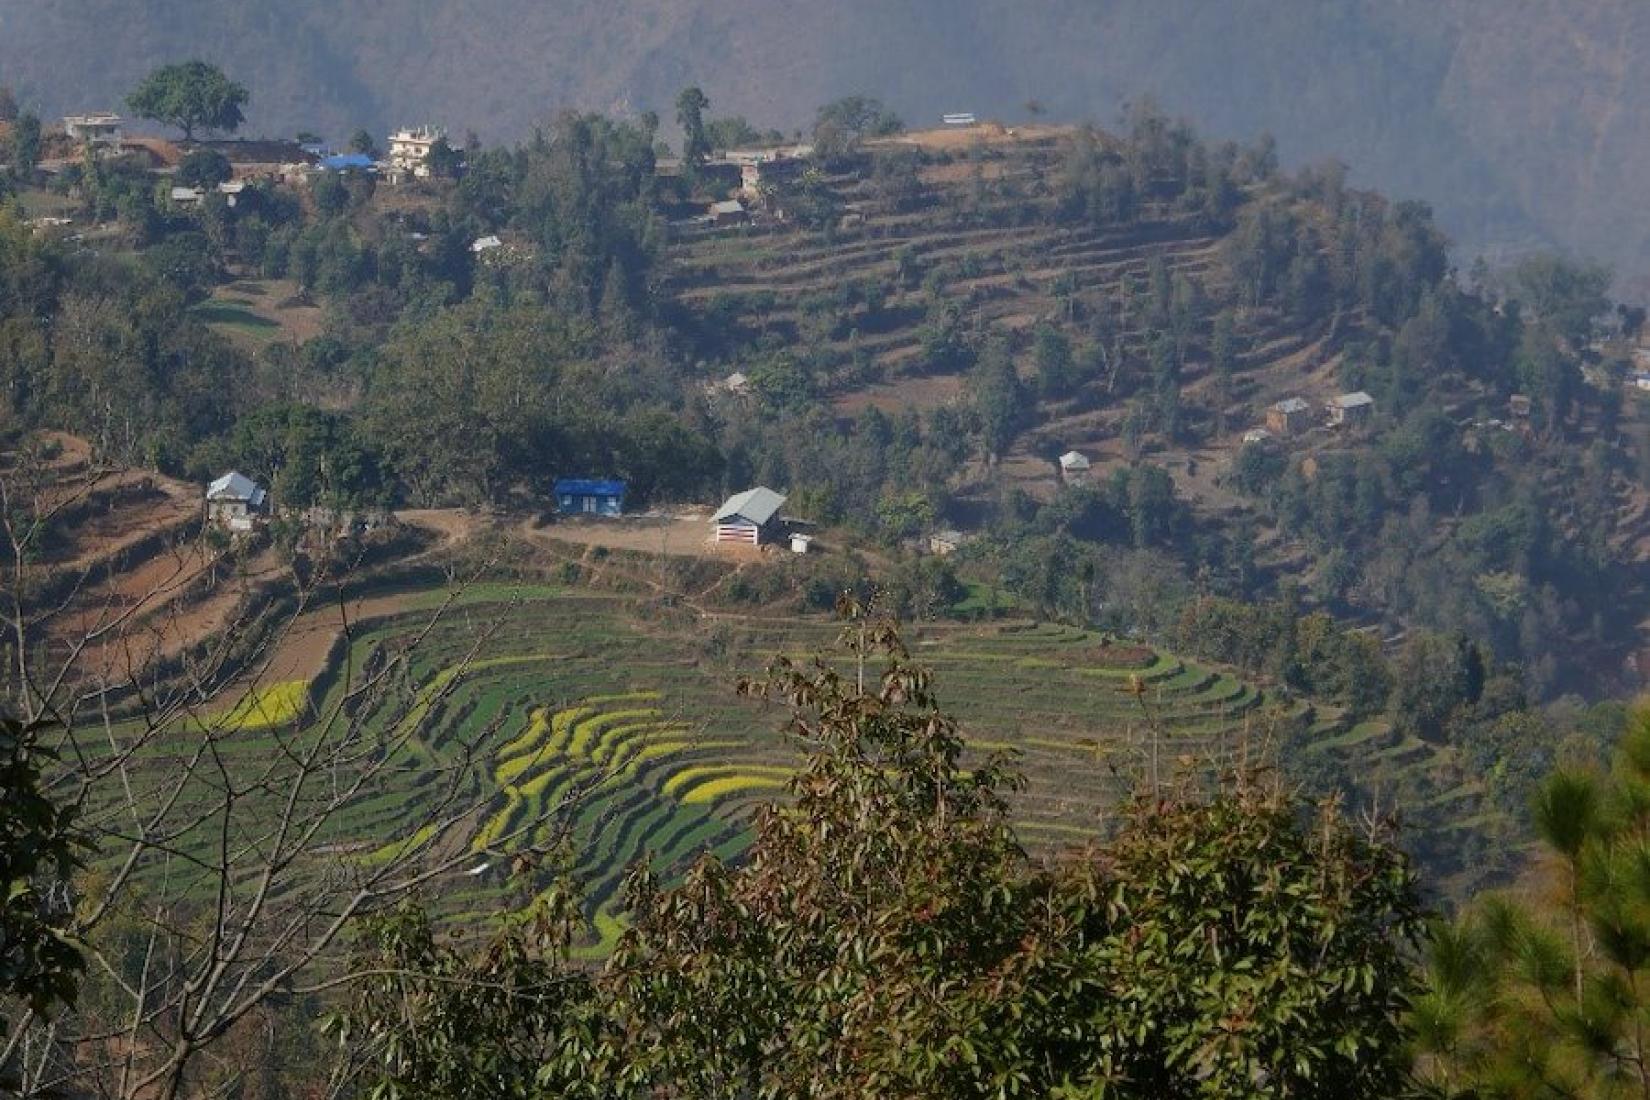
577	496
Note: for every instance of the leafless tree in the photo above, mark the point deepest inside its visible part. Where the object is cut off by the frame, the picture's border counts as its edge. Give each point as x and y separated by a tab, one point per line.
222	881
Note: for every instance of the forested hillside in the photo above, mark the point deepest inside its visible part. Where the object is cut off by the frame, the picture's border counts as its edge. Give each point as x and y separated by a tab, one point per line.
1523	123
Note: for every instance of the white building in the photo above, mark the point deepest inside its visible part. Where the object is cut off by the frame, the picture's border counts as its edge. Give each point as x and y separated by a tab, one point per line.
1074	465
234	501
410	149
750	517
100	130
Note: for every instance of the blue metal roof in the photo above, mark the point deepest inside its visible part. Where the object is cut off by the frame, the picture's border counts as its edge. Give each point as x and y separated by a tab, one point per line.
589	487
345	161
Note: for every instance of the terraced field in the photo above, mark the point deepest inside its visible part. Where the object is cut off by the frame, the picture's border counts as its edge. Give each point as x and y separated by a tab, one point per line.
584	718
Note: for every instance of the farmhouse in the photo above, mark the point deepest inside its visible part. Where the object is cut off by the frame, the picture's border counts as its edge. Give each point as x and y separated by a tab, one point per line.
728	212
750	517
1641	380
1074	466
1351	408
589	497
1519	406
101	130
348	162
945	543
234	502
1257	435
410	150
1289	417
485	244
769	167
192	196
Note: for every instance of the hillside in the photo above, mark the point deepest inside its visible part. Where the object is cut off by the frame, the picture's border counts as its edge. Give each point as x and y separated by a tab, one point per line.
588	691
1523	123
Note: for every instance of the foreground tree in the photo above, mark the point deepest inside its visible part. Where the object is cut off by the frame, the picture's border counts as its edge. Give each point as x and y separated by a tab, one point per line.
218	891
691	105
888	936
1545	991
192	95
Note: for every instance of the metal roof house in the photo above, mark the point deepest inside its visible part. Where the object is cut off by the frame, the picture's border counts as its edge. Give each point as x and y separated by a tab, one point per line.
750	517
233	500
1074	464
1289	416
727	212
576	496
348	162
1350	408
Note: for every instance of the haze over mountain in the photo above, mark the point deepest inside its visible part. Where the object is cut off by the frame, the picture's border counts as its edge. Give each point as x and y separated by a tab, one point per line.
1523	121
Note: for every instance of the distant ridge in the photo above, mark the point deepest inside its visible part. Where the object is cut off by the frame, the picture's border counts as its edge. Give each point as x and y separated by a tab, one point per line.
1525	123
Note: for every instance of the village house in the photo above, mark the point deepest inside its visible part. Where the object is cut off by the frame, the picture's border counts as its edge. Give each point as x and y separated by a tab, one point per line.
1074	466
348	162
1257	435
235	502
1350	409
192	196
734	385
728	212
410	150
750	517
1291	416
100	130
589	497
945	543
1519	406
485	244
765	168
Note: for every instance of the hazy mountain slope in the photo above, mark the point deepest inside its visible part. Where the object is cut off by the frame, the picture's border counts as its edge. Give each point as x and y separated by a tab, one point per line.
1522	120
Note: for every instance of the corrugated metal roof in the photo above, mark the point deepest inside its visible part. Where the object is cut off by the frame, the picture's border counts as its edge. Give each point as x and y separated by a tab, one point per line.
235	486
1353	400
1074	460
589	487
342	162
758	505
1292	405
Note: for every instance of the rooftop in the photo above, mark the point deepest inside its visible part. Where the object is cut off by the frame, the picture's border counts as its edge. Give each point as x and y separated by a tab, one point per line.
758	505
343	162
235	486
1292	405
589	487
1074	460
1355	399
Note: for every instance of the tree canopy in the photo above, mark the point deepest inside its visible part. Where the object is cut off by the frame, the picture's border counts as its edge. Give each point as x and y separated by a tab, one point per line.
192	95
887	935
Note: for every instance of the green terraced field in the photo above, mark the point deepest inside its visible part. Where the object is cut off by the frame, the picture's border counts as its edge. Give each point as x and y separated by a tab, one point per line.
585	717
